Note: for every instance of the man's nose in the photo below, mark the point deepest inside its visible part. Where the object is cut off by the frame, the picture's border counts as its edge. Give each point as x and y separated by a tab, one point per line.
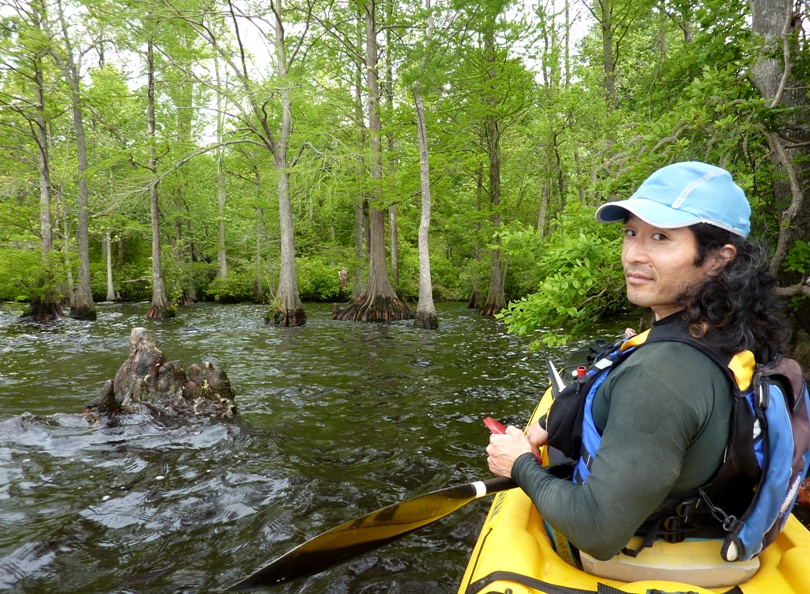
634	251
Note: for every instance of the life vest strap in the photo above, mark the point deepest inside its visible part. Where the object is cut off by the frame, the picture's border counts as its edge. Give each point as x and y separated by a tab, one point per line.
548	588
536	584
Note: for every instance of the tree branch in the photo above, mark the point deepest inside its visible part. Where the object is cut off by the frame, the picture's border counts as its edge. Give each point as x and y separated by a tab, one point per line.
786	56
780	253
793	290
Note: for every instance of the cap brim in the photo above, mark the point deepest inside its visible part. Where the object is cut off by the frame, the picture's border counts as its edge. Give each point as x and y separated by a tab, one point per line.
649	211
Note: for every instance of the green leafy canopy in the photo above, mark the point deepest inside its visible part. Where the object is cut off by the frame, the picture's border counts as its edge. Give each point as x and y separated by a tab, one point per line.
578	277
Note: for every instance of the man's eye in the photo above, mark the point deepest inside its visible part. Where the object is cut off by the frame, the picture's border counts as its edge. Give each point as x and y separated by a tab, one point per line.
660	236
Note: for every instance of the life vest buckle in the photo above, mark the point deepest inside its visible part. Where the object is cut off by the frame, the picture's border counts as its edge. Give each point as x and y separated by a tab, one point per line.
685	508
672	529
674	536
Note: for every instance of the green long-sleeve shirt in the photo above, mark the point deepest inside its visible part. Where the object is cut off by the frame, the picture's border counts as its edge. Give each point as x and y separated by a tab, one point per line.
664	419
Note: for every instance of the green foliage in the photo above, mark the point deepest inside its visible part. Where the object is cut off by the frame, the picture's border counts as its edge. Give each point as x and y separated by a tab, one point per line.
472	273
409	273
236	287
578	277
798	258
132	280
447	283
24	276
319	281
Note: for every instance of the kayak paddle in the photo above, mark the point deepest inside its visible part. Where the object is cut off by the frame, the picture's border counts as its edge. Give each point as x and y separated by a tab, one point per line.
370	532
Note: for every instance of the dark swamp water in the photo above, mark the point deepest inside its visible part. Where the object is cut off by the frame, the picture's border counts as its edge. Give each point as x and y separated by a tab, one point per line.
337	419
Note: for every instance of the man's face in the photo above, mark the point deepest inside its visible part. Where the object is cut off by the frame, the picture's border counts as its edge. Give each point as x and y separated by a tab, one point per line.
659	265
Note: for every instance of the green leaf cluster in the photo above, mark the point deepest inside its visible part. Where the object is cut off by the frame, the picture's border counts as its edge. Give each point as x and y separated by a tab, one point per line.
577	275
798	258
319	280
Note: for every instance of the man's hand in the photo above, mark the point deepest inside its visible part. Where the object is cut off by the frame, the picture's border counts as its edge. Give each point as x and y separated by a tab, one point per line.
503	450
537	437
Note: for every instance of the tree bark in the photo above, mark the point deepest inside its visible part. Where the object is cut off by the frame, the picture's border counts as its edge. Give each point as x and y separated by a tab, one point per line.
496	298
45	306
775	22
290	310
378	303
45	223
161	308
222	259
479	191
425	310
394	242
389	96
191	293
359	233
107	243
541	218
608	60
222	195
70	293
82	306
360	220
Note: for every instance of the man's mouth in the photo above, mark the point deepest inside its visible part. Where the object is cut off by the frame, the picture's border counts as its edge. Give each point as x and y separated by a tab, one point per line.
636	277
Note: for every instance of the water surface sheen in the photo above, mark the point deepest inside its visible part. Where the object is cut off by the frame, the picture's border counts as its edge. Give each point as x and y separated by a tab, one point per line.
337	420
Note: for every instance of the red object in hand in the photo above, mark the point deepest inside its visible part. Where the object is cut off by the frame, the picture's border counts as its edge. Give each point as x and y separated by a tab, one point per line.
498	428
494	426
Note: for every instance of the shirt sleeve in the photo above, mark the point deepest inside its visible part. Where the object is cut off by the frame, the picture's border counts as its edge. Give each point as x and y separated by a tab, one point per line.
656	410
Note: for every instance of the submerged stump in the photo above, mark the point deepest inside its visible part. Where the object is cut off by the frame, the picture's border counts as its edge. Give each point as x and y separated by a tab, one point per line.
147	380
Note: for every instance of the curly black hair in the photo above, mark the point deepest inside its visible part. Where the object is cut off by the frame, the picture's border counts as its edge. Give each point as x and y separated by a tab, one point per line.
736	308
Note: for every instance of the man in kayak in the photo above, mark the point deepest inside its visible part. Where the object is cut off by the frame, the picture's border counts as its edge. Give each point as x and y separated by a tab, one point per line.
663	414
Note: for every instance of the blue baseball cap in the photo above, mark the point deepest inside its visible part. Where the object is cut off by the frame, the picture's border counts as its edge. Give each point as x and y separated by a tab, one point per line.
684	194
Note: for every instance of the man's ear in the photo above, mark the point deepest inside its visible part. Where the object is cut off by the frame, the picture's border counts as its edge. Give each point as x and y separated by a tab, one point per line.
723	257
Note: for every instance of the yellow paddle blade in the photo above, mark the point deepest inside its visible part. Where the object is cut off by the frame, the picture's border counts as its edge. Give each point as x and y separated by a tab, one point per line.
368	533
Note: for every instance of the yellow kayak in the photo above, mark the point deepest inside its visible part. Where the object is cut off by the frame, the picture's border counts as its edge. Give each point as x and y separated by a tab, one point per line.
514	555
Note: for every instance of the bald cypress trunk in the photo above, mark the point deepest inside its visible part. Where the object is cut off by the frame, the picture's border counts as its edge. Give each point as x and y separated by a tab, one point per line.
160	308
496	298
82	305
290	310
378	303
45	306
425	311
